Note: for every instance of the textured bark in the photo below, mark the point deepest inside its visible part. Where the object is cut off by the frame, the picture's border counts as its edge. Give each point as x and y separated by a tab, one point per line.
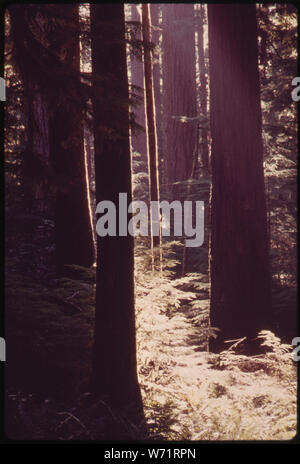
36	160
185	256
203	87
150	118
48	38
114	359
73	227
155	11
203	138
36	157
179	89
239	264
138	138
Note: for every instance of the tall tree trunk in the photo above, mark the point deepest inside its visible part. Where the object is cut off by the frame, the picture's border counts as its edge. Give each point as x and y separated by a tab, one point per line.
239	263
151	127
203	130
155	11
73	225
138	137
203	87
179	89
190	189
36	157
114	360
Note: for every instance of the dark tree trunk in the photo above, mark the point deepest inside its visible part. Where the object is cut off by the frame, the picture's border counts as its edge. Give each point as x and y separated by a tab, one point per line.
36	160
239	263
73	225
179	89
55	132
114	360
36	157
150	119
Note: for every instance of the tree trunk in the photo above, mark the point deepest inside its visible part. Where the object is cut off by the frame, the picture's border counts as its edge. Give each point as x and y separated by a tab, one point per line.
36	156
239	262
73	225
138	137
203	87
114	360
203	131
179	89
151	127
190	189
155	11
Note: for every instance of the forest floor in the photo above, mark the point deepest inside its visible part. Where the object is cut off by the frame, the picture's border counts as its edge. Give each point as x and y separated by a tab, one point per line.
205	396
188	393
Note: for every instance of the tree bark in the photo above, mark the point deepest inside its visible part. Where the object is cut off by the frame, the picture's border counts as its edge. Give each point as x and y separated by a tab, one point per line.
155	11
138	137
114	360
151	125
179	89
239	261
73	225
36	156
203	87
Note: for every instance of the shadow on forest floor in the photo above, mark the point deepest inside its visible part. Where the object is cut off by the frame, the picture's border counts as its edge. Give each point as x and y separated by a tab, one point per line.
188	393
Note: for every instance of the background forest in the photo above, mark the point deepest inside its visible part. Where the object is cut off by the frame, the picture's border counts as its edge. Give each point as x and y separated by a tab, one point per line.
145	338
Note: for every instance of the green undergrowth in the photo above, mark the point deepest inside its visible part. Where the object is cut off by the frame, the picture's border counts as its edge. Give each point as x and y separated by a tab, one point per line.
188	393
49	331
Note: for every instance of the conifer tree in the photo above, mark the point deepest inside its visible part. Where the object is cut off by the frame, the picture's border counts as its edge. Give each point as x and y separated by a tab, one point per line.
114	358
239	261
